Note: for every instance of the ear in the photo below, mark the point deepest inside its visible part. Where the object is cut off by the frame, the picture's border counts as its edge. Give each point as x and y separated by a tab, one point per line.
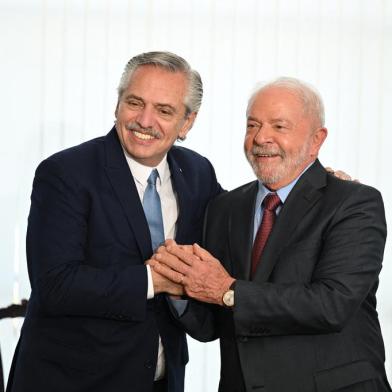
187	125
318	137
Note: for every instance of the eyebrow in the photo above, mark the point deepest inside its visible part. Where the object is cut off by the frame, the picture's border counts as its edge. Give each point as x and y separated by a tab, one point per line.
133	96
159	104
166	105
284	120
274	120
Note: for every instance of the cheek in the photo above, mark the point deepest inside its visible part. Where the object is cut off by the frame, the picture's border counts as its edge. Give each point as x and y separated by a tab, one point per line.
172	130
285	144
313	147
125	114
248	142
120	118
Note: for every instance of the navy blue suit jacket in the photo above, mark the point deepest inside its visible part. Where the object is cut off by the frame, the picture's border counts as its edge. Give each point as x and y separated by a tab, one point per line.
89	326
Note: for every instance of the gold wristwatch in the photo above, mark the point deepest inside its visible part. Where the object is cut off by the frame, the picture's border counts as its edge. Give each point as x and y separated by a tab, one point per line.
228	297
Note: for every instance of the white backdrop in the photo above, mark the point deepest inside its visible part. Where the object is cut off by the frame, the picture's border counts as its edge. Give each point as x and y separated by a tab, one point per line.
61	60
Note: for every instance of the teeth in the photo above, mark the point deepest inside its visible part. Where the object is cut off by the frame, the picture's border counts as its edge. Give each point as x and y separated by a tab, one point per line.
142	136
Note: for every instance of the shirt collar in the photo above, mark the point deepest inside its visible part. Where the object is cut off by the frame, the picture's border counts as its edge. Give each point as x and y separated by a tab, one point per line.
282	192
141	172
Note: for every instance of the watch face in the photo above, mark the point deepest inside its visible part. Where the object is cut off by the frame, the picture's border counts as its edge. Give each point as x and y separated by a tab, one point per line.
228	298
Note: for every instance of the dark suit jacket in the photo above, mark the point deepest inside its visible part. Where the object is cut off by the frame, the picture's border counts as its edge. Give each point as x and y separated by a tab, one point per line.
308	320
89	326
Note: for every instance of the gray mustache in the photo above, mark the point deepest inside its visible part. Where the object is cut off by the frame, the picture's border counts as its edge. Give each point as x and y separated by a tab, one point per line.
260	150
134	126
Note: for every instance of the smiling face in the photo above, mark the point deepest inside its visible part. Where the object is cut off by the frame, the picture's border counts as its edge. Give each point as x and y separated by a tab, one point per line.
150	114
281	138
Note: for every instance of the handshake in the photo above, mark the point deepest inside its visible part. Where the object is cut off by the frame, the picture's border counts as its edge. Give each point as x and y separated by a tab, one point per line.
189	270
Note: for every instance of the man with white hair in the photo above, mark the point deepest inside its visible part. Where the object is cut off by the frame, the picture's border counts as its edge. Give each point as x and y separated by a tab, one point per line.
291	262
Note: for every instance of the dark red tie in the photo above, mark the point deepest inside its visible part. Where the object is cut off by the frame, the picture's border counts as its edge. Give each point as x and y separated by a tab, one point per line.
270	204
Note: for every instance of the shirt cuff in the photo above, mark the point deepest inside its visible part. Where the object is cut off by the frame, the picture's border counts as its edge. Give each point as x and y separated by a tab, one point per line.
150	284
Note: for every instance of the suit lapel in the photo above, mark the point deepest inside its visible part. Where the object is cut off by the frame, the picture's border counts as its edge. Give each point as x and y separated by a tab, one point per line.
183	196
241	231
301	199
124	187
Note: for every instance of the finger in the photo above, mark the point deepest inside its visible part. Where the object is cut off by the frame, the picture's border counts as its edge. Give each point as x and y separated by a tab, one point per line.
184	255
172	262
329	170
186	248
202	253
342	175
161	249
170	242
151	262
168	273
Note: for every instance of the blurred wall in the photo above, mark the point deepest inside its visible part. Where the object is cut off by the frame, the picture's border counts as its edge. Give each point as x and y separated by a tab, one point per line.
61	61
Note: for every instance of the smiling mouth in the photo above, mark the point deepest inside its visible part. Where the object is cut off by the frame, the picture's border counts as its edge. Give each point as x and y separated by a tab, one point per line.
143	133
143	136
266	155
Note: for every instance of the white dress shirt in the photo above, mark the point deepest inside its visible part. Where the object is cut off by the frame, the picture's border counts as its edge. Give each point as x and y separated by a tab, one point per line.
169	206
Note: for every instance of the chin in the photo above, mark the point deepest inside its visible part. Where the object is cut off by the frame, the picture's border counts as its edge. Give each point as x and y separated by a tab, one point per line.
269	178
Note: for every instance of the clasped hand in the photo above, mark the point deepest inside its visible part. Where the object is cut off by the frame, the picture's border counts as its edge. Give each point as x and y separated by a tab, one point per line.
200	274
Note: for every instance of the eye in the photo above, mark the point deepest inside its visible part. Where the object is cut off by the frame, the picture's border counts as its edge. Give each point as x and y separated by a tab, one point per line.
280	127
252	126
165	111
134	103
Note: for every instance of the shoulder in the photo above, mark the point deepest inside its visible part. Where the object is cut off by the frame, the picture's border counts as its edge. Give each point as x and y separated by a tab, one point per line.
77	155
78	162
189	162
227	200
343	189
342	200
184	155
333	188
194	171
81	152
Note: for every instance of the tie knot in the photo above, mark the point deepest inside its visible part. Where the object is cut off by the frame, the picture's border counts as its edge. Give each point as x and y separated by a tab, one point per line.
152	179
271	202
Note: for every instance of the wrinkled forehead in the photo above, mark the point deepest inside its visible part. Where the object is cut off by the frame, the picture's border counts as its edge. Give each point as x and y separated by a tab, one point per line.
158	74
276	101
156	83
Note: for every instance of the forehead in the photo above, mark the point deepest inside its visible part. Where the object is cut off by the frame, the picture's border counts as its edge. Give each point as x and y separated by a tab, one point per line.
276	102
154	83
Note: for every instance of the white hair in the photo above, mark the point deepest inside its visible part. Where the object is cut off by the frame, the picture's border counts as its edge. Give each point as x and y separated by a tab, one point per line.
310	97
173	63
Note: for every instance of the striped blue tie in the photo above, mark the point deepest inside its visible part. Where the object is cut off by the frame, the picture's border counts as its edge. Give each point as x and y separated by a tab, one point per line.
153	211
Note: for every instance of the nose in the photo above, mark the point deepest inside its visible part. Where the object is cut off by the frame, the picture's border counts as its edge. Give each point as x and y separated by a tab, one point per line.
263	135
145	117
